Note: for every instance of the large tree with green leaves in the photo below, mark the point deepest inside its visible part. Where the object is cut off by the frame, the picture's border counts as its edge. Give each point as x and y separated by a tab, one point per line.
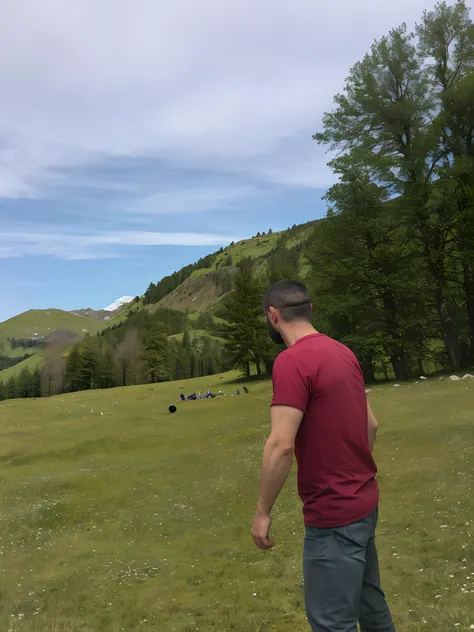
156	355
244	329
389	118
446	43
368	286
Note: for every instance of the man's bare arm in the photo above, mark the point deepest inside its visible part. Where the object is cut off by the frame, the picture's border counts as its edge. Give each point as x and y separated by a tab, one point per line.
277	461
371	427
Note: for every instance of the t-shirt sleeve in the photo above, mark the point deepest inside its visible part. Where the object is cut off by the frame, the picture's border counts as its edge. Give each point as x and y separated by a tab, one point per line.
290	384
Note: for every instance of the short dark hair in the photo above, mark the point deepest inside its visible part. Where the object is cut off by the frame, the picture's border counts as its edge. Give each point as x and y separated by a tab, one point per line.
292	300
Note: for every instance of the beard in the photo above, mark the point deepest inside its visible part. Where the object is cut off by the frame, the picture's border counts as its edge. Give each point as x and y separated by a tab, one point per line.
275	335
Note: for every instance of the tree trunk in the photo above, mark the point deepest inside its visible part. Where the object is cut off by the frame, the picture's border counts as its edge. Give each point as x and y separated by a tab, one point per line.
397	354
449	331
468	286
247	369
368	371
399	366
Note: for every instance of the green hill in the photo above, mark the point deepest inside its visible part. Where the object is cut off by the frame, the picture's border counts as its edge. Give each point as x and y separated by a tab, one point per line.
139	520
41	322
195	289
51	324
35	360
203	288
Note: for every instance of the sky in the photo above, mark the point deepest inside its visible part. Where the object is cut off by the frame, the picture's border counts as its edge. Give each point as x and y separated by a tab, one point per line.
139	135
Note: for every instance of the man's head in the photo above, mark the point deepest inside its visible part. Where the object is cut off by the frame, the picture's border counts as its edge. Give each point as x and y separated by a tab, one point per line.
287	304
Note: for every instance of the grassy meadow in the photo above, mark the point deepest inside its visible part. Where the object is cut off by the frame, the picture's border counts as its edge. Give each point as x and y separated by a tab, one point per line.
136	519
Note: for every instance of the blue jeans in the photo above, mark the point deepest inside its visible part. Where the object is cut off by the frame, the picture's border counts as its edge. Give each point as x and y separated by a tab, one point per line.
342	580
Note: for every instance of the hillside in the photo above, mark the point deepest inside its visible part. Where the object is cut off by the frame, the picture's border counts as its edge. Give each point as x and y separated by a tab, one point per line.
195	289
54	325
205	286
41	322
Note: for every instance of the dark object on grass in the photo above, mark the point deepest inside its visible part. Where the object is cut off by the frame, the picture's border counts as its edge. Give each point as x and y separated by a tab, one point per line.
246	390
172	409
183	398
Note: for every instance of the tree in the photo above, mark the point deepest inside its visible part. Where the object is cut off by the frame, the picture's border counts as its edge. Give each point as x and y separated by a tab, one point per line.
73	372
10	388
245	332
53	375
35	390
369	287
23	383
446	42
106	369
283	263
205	321
157	360
385	120
89	364
127	355
210	357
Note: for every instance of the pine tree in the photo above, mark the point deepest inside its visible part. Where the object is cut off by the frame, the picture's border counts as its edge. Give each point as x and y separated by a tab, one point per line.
10	388
36	383
73	373
157	360
106	369
23	383
283	263
245	333
90	361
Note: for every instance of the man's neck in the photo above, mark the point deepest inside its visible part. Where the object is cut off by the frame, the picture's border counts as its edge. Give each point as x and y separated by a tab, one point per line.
297	330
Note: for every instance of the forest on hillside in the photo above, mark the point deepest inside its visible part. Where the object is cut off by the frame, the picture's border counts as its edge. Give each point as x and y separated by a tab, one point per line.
391	266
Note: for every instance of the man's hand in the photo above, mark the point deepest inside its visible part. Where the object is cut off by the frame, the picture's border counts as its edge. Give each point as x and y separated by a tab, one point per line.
261	530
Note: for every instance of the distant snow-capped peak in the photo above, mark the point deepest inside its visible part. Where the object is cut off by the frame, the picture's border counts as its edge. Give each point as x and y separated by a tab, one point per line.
118	303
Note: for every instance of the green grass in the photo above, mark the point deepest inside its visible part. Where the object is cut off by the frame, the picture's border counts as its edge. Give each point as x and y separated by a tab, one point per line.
201	272
139	520
256	247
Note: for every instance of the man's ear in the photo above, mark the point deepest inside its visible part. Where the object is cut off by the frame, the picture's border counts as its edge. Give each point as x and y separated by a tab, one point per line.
273	314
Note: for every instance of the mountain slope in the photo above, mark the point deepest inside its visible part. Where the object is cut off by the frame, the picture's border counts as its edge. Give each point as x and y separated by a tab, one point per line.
200	290
52	325
205	286
41	322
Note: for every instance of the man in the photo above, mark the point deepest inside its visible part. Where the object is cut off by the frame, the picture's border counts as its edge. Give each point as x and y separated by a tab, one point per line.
320	412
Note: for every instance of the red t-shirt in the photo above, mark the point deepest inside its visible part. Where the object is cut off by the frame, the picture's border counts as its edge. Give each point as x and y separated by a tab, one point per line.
336	471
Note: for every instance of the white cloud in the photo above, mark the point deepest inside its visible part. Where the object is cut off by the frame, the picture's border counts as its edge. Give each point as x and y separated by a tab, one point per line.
193	199
223	86
97	246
